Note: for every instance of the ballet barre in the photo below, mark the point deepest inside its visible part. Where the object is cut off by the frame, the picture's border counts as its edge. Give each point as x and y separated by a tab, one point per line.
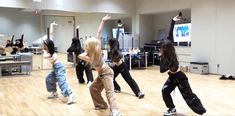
10	64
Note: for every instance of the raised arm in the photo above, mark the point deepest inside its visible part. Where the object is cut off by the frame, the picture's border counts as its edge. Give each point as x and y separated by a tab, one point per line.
12	39
22	38
105	18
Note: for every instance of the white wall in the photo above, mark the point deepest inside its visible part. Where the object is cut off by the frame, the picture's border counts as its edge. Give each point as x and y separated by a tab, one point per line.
225	38
145	29
213	34
89	24
14	22
109	6
16	3
116	6
203	32
159	6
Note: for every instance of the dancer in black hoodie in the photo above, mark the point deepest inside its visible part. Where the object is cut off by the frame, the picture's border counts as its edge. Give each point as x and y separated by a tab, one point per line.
81	65
169	62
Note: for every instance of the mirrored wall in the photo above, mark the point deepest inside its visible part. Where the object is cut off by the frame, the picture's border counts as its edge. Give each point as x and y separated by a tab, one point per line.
29	28
23	32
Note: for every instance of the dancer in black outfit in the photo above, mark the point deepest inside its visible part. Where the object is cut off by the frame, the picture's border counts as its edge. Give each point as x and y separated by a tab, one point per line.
176	78
120	67
10	42
18	46
173	21
120	25
81	65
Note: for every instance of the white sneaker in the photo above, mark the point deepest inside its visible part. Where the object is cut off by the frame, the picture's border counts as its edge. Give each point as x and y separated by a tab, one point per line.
71	98
89	84
170	112
115	113
53	95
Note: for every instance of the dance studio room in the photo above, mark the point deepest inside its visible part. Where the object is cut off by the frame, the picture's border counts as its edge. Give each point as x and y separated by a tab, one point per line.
117	57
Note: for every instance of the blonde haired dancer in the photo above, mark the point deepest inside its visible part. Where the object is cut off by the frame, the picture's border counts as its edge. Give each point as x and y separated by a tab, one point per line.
93	56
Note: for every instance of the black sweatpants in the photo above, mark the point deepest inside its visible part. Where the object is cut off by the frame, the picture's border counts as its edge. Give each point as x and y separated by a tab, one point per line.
124	70
181	81
81	66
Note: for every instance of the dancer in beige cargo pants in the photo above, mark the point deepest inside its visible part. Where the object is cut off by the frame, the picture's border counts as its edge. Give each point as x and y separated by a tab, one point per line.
93	56
103	81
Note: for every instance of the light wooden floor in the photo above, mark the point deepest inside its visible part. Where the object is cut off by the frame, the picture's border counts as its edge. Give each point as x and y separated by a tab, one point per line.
27	95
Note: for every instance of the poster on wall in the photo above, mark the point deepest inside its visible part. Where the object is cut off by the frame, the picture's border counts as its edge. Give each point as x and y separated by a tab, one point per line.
182	32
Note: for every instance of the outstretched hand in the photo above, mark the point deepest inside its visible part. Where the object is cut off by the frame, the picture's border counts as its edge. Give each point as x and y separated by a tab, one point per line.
107	17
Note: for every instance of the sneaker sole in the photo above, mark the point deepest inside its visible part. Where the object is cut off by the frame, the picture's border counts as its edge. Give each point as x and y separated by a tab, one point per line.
119	114
141	96
173	114
52	97
170	115
72	101
100	108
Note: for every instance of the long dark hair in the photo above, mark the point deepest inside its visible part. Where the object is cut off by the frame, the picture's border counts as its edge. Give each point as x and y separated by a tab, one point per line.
170	55
50	45
114	50
113	43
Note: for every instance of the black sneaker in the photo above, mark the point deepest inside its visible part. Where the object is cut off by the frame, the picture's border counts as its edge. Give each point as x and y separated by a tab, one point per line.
141	95
223	77
170	112
231	78
81	82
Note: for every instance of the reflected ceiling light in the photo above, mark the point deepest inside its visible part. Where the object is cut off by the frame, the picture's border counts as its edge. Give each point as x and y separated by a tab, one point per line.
37	0
59	3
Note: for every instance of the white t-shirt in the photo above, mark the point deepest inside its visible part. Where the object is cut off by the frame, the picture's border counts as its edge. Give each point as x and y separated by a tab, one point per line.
52	59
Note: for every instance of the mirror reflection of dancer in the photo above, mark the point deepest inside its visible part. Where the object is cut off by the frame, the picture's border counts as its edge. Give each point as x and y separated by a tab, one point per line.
176	78
10	42
173	21
120	25
57	75
18	46
81	65
93	55
120	67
